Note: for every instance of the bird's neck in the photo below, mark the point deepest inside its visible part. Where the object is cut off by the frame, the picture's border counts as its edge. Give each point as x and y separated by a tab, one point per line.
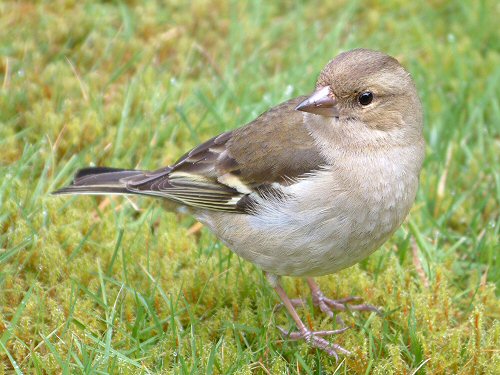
352	139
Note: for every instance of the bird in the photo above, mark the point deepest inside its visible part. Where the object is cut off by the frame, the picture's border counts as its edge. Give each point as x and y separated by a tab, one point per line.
310	187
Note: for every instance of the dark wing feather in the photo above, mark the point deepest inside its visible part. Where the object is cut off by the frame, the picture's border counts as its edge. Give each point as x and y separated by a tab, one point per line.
219	173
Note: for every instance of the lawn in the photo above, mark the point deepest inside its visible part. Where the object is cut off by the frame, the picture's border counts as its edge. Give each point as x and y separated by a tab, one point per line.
100	285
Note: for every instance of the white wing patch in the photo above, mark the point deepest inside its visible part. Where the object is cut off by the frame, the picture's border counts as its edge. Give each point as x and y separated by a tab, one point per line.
234	182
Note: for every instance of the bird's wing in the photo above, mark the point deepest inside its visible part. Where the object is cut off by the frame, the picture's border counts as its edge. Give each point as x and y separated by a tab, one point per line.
224	172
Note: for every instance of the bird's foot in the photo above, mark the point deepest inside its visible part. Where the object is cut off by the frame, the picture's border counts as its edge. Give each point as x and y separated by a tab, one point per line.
328	305
315	339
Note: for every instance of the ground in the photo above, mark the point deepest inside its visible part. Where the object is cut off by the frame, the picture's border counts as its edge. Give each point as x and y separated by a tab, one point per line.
114	285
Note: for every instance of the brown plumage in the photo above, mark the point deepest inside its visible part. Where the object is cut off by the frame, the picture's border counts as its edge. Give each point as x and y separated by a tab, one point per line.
312	186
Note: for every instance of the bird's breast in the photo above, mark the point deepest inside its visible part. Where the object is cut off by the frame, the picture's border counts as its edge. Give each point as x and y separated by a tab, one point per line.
329	221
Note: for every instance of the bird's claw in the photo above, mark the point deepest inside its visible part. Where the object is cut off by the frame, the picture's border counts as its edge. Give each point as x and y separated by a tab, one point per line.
327	305
315	339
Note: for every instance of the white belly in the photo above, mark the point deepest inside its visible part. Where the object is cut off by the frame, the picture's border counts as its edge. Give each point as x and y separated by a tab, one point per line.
326	226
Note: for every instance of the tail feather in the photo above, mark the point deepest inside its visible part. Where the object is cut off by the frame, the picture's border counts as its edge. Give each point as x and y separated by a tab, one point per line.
99	180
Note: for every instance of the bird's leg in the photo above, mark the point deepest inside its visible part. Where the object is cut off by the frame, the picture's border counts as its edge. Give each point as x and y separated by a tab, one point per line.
313	338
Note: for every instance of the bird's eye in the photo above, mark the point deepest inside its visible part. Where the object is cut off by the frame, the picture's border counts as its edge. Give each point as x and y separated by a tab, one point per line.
365	98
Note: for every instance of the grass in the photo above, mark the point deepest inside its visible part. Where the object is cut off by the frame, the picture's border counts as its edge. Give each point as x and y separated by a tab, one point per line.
91	285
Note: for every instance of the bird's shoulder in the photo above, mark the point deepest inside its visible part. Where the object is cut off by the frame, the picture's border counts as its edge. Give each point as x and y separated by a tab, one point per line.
275	147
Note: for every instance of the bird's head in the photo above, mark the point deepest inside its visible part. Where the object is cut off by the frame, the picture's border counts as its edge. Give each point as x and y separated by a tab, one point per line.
367	87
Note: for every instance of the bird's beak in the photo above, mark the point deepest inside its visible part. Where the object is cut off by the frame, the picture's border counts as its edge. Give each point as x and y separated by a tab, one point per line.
321	102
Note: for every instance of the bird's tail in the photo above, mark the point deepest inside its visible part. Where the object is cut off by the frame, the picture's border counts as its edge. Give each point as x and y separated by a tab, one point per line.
100	180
